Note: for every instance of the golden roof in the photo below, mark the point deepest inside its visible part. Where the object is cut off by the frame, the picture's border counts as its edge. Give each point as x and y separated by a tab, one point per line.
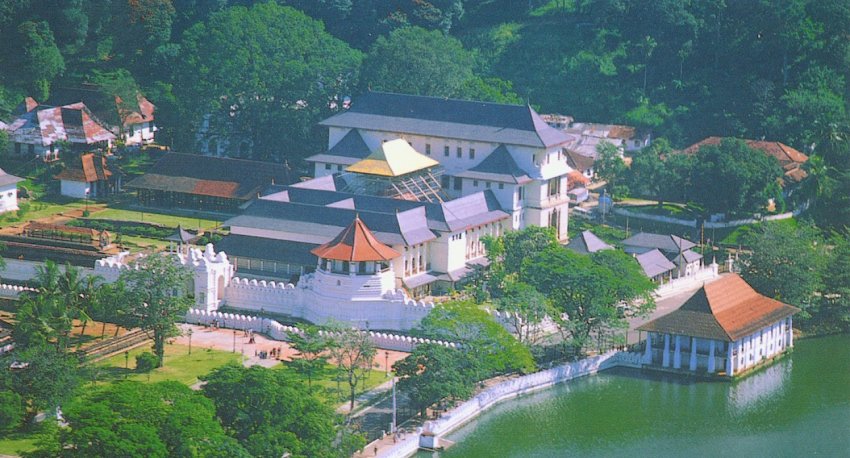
393	158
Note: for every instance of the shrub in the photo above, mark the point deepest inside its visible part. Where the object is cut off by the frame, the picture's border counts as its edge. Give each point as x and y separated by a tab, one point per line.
11	410
146	362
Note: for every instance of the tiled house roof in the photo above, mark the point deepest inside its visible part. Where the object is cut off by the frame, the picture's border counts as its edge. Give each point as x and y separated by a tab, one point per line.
498	166
790	159
355	243
91	167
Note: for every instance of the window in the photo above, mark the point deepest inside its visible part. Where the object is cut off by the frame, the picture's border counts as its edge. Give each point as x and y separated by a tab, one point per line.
501	185
446	151
554	186
339	168
31	149
327	166
459	152
444	181
489	184
428	149
18	149
458	184
472	153
475	183
520	193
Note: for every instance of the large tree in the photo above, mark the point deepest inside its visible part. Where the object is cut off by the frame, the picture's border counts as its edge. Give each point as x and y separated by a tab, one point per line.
354	353
281	74
312	358
784	261
433	372
271	414
156	297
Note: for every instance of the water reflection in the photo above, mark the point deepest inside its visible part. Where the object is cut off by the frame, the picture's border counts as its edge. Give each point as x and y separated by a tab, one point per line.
756	389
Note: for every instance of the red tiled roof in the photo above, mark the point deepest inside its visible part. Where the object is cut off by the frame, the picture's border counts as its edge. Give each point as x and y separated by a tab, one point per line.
143	114
215	188
576	179
355	243
727	309
782	152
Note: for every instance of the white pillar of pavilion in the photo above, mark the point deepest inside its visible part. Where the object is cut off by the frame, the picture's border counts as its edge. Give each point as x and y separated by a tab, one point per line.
677	356
729	366
692	366
665	360
711	364
647	357
790	333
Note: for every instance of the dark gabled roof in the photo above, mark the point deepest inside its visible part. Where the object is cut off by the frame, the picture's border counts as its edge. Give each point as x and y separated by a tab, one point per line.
587	242
6	179
688	256
578	161
448	118
350	149
498	166
270	249
667	243
181	236
726	309
211	176
654	263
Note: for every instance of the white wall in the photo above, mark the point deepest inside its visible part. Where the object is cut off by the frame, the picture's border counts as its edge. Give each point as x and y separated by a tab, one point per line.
139	133
77	189
9	198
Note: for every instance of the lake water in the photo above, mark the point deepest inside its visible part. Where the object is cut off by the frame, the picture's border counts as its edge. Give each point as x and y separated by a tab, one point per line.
800	406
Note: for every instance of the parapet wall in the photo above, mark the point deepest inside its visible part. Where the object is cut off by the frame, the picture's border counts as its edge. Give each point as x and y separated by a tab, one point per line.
278	331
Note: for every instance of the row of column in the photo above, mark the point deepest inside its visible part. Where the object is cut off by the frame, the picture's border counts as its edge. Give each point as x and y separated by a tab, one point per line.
677	354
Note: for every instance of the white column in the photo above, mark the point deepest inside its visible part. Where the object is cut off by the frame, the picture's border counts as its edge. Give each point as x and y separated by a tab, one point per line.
677	356
729	366
665	360
693	363
711	366
647	357
790	331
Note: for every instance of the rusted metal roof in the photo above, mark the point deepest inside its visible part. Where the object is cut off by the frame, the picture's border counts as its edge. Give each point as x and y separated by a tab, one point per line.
90	168
355	243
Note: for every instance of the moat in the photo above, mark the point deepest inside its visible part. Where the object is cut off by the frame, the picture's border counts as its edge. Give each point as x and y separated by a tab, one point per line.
799	405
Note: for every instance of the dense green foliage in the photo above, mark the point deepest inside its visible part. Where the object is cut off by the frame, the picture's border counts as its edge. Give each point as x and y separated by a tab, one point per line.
433	373
270	413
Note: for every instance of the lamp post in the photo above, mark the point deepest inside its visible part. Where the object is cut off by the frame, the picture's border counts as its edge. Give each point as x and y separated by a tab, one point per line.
189	333
387	363
126	360
394	408
234	341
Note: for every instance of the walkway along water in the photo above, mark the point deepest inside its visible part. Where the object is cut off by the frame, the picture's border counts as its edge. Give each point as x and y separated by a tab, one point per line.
428	436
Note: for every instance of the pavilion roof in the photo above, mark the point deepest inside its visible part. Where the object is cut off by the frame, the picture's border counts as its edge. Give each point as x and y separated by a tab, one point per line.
355	243
393	158
727	309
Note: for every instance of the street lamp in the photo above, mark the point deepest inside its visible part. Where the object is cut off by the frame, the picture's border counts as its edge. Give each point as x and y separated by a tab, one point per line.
127	360
387	363
189	333
234	341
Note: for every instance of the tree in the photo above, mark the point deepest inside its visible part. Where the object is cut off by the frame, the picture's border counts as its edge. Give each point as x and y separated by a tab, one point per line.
281	76
732	177
611	168
39	57
491	346
412	60
136	419
785	262
433	372
631	287
156	297
510	249
354	353
48	379
270	413
527	309
312	356
11	410
658	174
833	312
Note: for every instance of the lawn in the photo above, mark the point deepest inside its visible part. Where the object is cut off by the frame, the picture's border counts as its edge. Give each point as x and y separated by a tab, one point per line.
179	365
42	209
141	243
18	442
736	236
328	381
159	218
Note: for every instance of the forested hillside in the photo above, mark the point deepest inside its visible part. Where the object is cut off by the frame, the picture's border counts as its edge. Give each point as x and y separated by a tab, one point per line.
687	69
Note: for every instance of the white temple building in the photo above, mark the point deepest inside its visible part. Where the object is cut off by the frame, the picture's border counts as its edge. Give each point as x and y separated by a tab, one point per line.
726	328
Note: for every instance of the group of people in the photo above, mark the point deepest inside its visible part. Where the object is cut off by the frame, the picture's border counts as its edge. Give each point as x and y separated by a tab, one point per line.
274	353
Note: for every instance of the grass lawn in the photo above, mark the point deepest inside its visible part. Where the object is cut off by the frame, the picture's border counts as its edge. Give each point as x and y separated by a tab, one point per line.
42	209
18	442
737	235
159	218
328	383
141	243
179	365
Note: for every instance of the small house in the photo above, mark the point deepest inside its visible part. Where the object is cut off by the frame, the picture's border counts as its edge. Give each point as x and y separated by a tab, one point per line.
675	249
88	177
8	192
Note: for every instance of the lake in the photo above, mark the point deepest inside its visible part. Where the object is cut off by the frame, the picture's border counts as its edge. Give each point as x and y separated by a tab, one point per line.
797	406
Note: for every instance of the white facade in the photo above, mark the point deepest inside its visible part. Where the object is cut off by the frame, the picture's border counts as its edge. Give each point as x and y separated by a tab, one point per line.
9	198
140	133
76	189
532	204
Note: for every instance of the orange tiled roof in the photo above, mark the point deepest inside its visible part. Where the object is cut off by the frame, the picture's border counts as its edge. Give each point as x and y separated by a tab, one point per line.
92	168
727	309
782	152
355	243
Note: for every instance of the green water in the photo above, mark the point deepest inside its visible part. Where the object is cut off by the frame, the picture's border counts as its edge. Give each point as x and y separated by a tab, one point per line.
797	407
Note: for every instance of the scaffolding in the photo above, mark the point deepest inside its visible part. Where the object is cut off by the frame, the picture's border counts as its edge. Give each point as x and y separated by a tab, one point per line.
420	186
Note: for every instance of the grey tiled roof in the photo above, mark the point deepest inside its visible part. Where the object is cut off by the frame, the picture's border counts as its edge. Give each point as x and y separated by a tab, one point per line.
448	118
667	243
270	249
689	256
587	242
350	149
498	166
6	179
654	263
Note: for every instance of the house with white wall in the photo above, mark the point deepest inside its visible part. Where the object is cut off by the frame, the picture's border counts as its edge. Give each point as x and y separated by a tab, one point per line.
528	170
8	192
88	177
